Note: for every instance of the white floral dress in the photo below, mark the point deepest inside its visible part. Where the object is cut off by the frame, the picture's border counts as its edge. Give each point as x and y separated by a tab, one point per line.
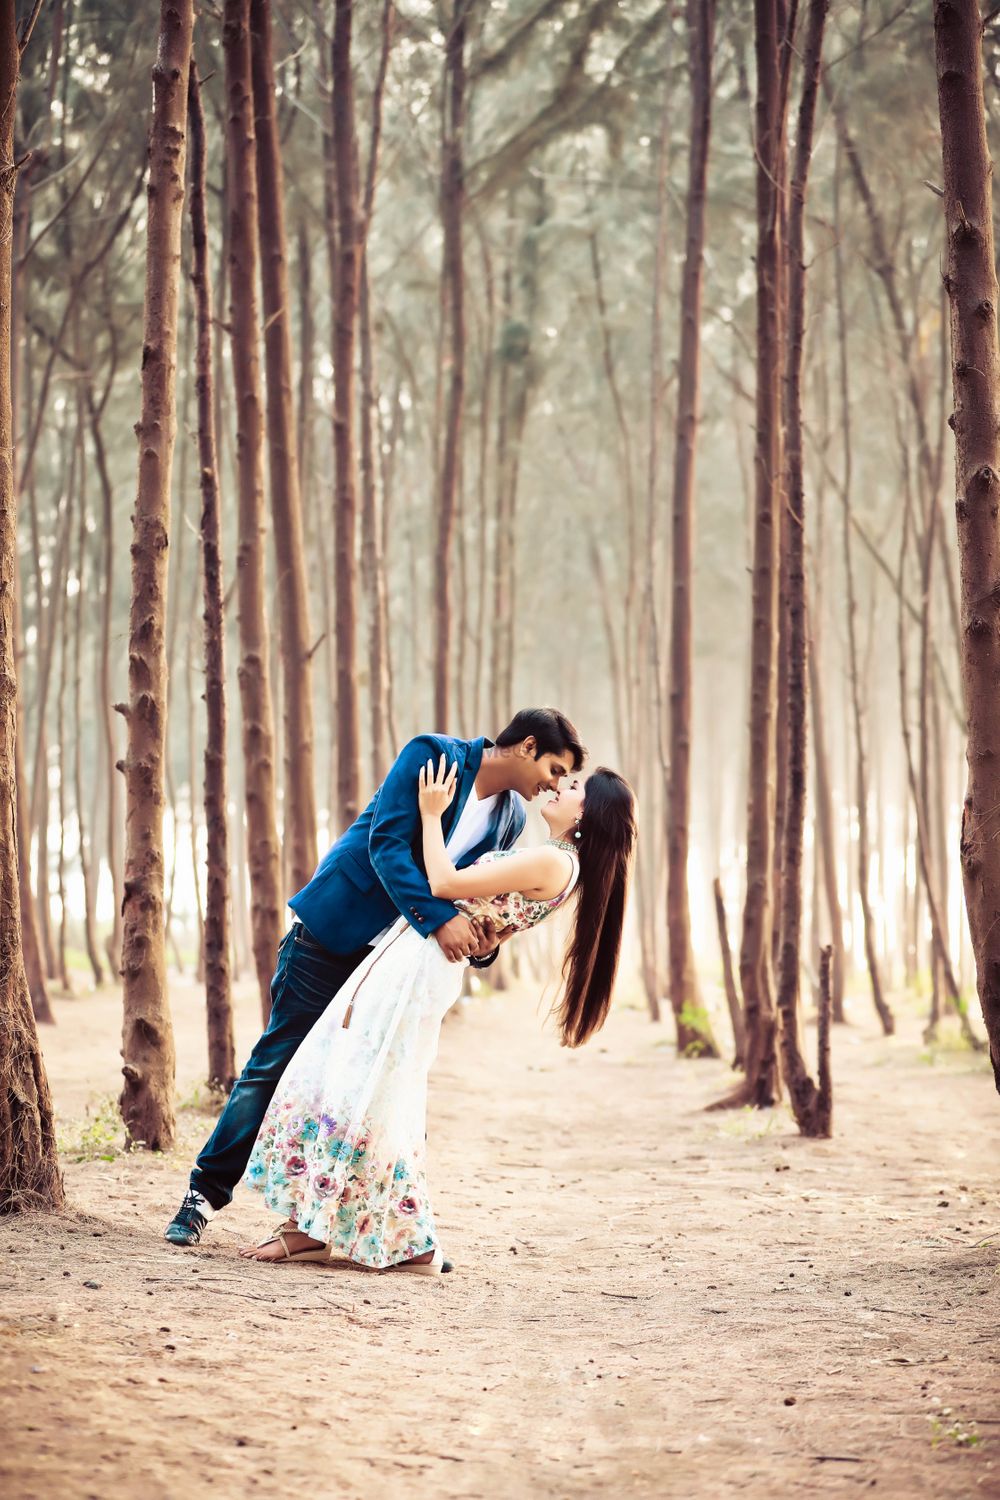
342	1146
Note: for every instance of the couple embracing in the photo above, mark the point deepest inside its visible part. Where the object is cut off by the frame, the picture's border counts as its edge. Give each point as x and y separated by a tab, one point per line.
327	1119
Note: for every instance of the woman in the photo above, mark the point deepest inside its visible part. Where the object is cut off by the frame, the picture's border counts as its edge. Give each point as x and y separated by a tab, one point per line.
341	1149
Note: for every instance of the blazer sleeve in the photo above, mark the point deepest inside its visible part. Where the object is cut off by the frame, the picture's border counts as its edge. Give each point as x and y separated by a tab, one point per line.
394	828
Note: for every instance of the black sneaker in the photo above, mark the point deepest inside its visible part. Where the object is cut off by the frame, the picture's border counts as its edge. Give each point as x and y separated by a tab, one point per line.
185	1228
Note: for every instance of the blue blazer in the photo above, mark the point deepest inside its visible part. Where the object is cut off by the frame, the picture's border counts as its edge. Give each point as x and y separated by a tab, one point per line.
375	871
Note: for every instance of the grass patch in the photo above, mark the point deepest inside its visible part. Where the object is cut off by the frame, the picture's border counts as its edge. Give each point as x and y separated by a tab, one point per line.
99	1136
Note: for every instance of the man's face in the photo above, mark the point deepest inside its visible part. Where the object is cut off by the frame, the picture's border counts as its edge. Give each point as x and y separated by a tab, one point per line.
543	774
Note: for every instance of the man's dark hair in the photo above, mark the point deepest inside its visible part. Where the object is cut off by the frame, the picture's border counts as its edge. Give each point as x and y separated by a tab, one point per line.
552	732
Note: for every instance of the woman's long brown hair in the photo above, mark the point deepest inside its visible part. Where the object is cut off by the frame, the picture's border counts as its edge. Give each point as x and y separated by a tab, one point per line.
607	837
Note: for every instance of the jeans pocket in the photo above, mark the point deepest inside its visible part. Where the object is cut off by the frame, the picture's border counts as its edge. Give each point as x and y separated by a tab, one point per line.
314	976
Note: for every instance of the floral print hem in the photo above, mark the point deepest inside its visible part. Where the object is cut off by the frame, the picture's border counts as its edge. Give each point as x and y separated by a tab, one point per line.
375	1212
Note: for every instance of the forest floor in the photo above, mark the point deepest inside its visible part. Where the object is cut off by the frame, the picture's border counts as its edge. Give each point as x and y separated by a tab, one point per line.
648	1300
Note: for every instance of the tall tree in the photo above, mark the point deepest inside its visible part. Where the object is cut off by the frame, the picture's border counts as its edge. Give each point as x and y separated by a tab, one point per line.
286	499
971	284
693	1034
345	475
761	1082
882	1007
254	677
373	560
218	997
29	1169
811	1106
453	277
147	1100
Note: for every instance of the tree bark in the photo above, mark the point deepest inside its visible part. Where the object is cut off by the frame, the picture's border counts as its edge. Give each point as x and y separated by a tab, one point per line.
345	499
286	499
31	942
255	690
29	1169
147	1102
372	555
857	713
761	1084
729	979
694	1035
86	852
113	941
972	288
218	995
812	1112
452	272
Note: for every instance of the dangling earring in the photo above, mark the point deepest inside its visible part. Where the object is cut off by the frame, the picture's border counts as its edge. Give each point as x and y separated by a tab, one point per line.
577	833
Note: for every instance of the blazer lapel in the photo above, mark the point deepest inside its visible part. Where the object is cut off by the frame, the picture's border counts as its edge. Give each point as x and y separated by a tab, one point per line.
498	825
466	781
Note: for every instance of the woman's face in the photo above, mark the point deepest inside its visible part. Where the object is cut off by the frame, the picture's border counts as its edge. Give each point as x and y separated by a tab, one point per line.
566	808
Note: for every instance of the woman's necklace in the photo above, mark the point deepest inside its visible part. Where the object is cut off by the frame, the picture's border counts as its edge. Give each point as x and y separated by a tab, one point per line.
566	844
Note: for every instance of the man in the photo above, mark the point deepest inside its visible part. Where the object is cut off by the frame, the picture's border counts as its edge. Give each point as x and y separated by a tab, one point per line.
373	874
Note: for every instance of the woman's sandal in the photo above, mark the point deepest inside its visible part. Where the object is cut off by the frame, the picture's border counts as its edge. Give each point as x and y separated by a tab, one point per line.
318	1253
436	1266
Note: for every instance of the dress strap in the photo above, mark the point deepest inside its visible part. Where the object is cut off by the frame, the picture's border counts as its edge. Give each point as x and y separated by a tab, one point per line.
575	858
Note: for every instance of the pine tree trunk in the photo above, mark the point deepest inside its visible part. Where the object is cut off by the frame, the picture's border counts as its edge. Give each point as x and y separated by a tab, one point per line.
29	1169
218	994
147	1100
345	502
761	1084
372	556
286	500
113	941
826	835
854	667
263	857
86	852
694	1037
30	935
453	286
729	978
972	288
812	1113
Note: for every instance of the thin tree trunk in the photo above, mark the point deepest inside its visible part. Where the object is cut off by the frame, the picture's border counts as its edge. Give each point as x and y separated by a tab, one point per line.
147	1102
811	1110
372	558
857	718
286	500
113	942
29	1168
218	993
345	500
729	978
826	835
694	1035
254	679
89	924
30	934
452	273
761	1085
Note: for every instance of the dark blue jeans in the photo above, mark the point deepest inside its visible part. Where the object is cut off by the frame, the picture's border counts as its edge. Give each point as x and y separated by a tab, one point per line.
306	979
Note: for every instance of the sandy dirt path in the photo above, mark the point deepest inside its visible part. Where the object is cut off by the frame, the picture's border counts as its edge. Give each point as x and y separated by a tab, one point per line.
649	1300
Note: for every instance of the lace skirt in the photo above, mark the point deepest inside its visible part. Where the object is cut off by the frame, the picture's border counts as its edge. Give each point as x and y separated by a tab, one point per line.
342	1146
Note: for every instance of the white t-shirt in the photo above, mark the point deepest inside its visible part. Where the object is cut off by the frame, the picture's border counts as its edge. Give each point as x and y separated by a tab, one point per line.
471	827
473	822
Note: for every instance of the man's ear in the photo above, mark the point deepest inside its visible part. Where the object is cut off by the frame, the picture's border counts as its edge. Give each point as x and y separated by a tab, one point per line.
530	747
